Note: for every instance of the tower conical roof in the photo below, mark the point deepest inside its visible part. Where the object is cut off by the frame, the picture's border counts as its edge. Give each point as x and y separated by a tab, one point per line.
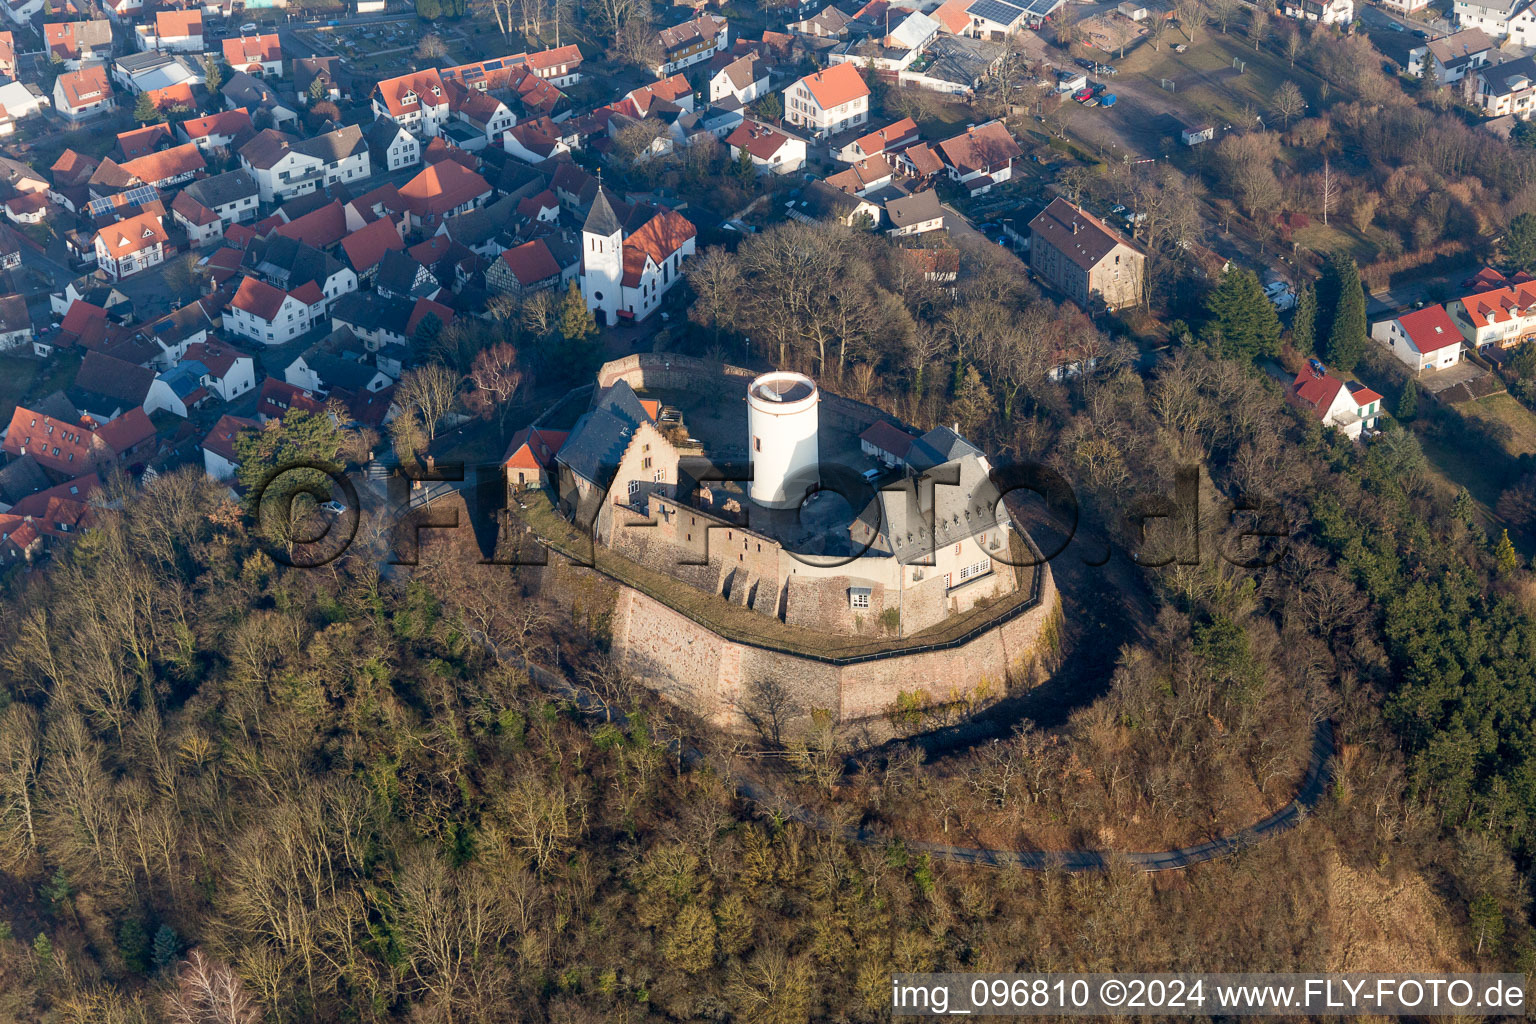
601	220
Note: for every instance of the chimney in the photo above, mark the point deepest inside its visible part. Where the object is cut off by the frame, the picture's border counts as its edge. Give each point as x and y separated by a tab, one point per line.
1074	227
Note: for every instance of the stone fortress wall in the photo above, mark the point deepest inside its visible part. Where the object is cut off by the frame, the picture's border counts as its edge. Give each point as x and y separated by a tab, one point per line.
713	675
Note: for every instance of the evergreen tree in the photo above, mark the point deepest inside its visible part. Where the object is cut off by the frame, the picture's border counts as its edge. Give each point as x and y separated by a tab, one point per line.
213	73
576	320
1519	246
1505	558
1346	335
745	169
167	947
1241	322
145	111
133	945
1463	507
1408	401
1304	321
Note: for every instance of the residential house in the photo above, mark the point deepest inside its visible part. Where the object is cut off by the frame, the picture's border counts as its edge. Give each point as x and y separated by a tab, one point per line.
887	443
209	205
981	156
534	142
163	169
1346	406
291	263
256	96
76	43
402	276
131	245
218	132
690	43
21	12
1404	6
309	70
340	360
742	81
391	147
1451	57
955	66
366	247
442	190
530	458
674	89
772	150
1502	317
827	23
15	323
1514	20
226	371
560	67
285	167
828	102
864	176
1324	12
417	102
165	77
7	54
486	116
887	141
270	315
1080	256
219	458
19	101
524	269
278	398
625	273
179	31
1426	339
260	56
1508	88
78	95
821	201
914	214
70	449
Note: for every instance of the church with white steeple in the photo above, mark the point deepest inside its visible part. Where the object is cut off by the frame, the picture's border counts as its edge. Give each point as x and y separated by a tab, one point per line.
625	271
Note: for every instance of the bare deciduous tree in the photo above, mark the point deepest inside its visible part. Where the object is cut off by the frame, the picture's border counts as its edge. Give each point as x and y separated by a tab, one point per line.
430	390
1289	102
208	992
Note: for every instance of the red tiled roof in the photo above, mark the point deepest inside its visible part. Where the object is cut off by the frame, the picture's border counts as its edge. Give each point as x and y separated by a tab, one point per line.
441	187
531	262
669	89
889	438
59	445
219	357
532	206
366	246
1495	306
132	235
128	431
1431	329
659	238
954	15
320	228
308	293
986	147
86	86
140	141
279	397
534	448
221	439
172	96
892	136
426	87
232	123
422	308
245	51
178	24
259	299
761	140
153	168
546	59
838	84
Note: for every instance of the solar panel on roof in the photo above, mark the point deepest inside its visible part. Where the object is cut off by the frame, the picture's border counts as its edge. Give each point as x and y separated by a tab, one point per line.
996	10
493	65
1041	8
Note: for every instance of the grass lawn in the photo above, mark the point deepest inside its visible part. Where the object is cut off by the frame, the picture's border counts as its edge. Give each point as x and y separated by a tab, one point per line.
1318	238
1449	466
16	377
1505	409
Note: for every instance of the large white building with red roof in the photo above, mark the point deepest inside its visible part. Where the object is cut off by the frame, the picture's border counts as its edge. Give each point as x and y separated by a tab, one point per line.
84	93
1347	406
828	102
624	275
1504	316
560	66
271	316
255	55
417	102
1426	339
131	245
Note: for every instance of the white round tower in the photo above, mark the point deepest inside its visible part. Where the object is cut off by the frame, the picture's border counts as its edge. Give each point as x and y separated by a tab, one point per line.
782	421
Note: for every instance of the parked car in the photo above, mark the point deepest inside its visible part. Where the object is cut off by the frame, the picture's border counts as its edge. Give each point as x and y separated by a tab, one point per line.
1083	94
1280	295
1084	62
335	508
1395	27
1119	210
1107	69
1099	88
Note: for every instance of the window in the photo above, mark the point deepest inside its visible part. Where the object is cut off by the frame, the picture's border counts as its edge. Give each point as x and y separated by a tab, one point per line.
976	569
757	444
634	488
858	598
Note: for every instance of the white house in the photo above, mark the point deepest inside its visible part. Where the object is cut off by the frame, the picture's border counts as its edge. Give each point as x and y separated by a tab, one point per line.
131	246
1426	339
209	205
624	278
15	323
270	315
891	139
285	167
178	31
559	67
1452	56
1324	12
260	55
1500	19
391	147
981	156
690	43
417	102
1505	317
78	95
741	81
219	459
224	370
1508	88
1348	407
772	151
828	102
915	214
